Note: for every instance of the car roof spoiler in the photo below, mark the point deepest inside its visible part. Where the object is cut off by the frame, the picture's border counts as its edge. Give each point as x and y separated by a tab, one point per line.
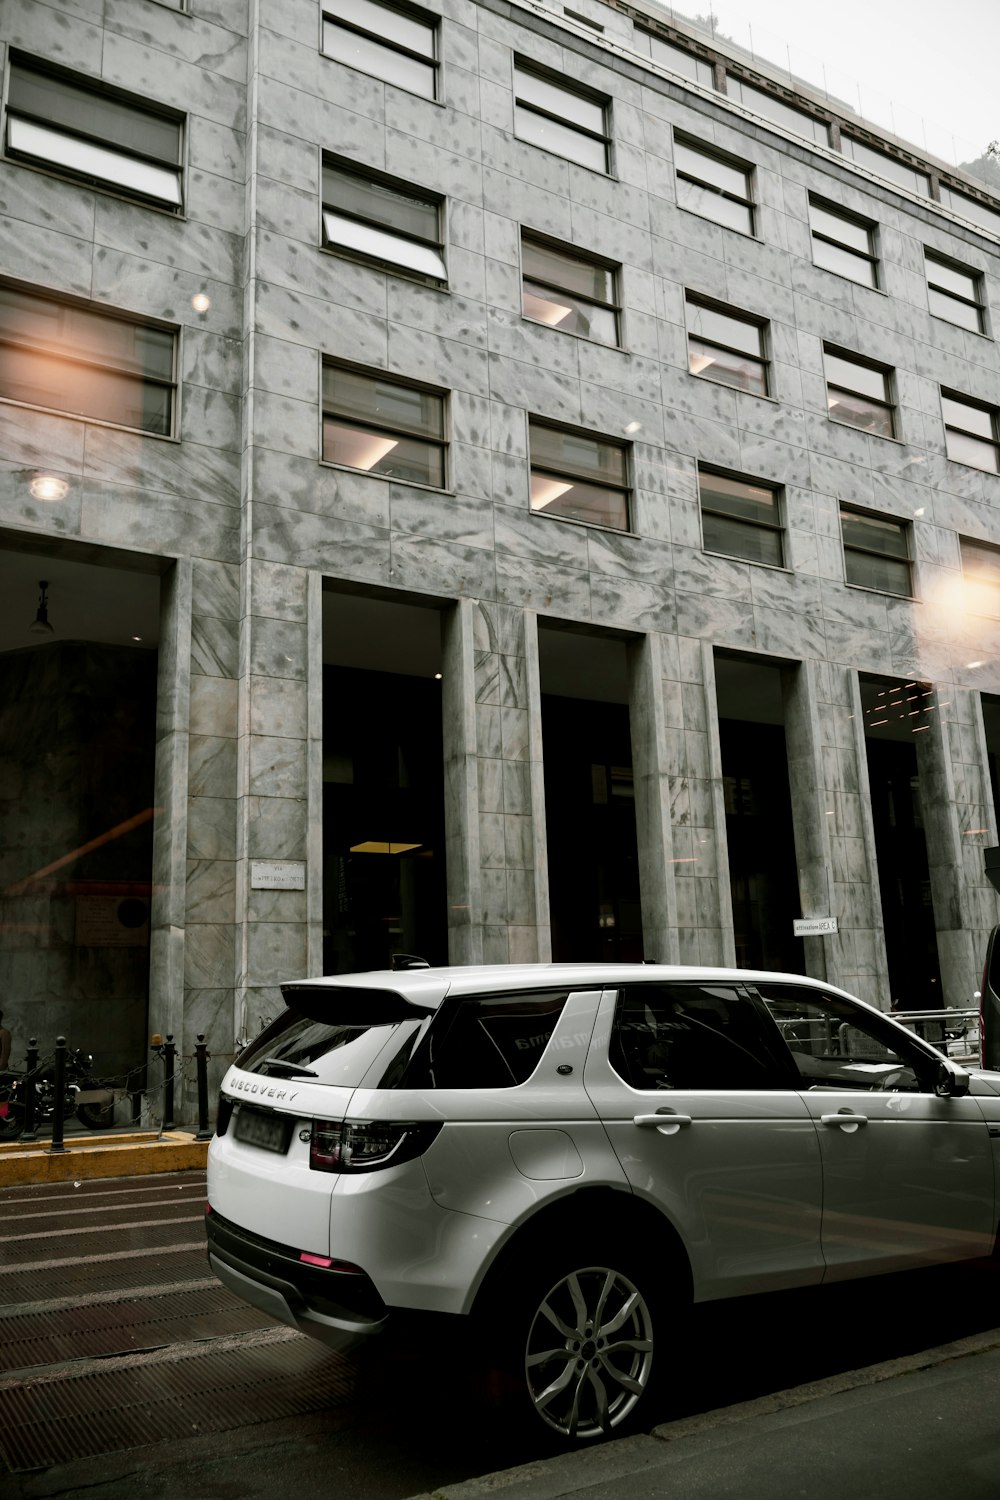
367	999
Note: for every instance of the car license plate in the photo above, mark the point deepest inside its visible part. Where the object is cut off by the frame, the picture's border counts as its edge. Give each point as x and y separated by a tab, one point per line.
258	1127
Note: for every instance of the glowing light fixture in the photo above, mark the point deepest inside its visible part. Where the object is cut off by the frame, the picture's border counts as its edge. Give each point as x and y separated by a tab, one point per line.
48	487
379	846
201	302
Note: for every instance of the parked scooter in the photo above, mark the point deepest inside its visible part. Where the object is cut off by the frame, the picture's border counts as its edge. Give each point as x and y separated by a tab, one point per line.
91	1101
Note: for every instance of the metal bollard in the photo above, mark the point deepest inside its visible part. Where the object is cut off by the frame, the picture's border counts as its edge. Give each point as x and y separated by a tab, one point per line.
205	1131
59	1093
29	1130
169	1063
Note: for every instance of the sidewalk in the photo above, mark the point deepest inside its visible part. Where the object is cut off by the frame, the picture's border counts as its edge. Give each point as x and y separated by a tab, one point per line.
104	1153
921	1427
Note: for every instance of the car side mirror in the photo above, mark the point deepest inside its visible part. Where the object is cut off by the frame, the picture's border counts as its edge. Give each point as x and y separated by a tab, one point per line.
950	1081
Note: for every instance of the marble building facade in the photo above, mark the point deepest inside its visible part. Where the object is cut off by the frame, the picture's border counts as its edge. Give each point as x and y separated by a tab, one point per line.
256	539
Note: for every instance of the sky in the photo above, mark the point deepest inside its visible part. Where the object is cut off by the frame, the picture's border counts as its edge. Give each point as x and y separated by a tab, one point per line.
936	62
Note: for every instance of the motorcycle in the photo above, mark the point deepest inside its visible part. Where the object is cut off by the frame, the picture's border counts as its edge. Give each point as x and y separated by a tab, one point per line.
84	1096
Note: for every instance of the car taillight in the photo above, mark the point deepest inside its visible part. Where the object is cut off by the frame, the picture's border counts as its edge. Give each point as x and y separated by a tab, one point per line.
347	1146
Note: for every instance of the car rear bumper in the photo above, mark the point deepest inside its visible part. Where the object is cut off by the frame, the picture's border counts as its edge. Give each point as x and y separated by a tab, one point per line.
340	1308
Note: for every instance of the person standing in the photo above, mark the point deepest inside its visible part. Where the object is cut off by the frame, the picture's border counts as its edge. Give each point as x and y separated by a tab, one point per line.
4	1045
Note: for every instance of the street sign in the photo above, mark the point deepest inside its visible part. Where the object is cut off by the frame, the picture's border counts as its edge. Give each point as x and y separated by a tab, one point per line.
277	875
813	926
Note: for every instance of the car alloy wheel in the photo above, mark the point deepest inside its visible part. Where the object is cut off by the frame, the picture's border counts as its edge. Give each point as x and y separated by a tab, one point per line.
589	1352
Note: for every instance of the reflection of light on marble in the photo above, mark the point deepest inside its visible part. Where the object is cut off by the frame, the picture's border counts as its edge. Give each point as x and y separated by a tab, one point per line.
970	666
633	427
545	490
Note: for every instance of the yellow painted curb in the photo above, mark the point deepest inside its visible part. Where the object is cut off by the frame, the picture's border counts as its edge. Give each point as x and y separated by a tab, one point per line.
130	1156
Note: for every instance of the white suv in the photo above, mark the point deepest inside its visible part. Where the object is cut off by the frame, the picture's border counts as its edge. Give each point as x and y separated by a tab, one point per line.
572	1153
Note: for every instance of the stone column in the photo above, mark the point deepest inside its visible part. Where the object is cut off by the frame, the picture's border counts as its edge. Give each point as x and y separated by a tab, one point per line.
280	743
680	815
494	798
831	815
951	764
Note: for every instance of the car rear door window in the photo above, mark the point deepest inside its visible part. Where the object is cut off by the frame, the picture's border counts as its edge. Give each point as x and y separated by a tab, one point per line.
691	1036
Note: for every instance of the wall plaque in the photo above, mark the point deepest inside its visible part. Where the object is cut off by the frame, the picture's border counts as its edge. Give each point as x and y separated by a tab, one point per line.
277	874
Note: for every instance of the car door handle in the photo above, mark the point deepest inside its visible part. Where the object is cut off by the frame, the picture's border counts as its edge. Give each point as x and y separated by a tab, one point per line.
847	1120
666	1124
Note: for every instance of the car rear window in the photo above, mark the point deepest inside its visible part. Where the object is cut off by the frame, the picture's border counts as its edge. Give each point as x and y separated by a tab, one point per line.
338	1052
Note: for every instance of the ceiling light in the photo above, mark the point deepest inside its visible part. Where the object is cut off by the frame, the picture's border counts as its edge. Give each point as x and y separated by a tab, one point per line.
379	846
48	487
40	624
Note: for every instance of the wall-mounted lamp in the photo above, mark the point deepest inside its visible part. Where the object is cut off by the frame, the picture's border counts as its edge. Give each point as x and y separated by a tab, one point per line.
40	624
48	487
201	302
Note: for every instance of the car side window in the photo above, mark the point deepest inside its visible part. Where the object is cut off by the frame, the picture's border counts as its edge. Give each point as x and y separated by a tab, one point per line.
493	1042
835	1045
690	1036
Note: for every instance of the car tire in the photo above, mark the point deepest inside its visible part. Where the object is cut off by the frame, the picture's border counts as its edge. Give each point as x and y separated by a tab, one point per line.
585	1342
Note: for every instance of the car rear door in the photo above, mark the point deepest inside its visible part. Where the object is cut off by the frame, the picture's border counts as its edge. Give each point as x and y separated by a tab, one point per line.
707	1127
907	1176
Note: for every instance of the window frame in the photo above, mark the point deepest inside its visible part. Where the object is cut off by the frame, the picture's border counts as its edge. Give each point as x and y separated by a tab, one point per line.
886	404
870	258
580	476
977	302
777	527
383	42
81	361
364	424
97	145
584	258
747	169
390	185
692	300
859	513
530	69
958	398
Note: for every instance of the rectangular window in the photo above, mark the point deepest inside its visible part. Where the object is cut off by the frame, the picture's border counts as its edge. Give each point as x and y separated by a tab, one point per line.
892	168
741	519
686	64
955	293
378	424
859	393
843	244
377	219
74	125
981	570
568	291
971	208
395	43
876	552
85	362
773	108
578	477
715	187
971	432
727	347
560	119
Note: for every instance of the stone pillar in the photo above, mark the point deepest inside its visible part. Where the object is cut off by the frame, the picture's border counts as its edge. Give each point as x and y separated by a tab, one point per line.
494	798
679	808
951	765
209	874
280	741
831	815
168	906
